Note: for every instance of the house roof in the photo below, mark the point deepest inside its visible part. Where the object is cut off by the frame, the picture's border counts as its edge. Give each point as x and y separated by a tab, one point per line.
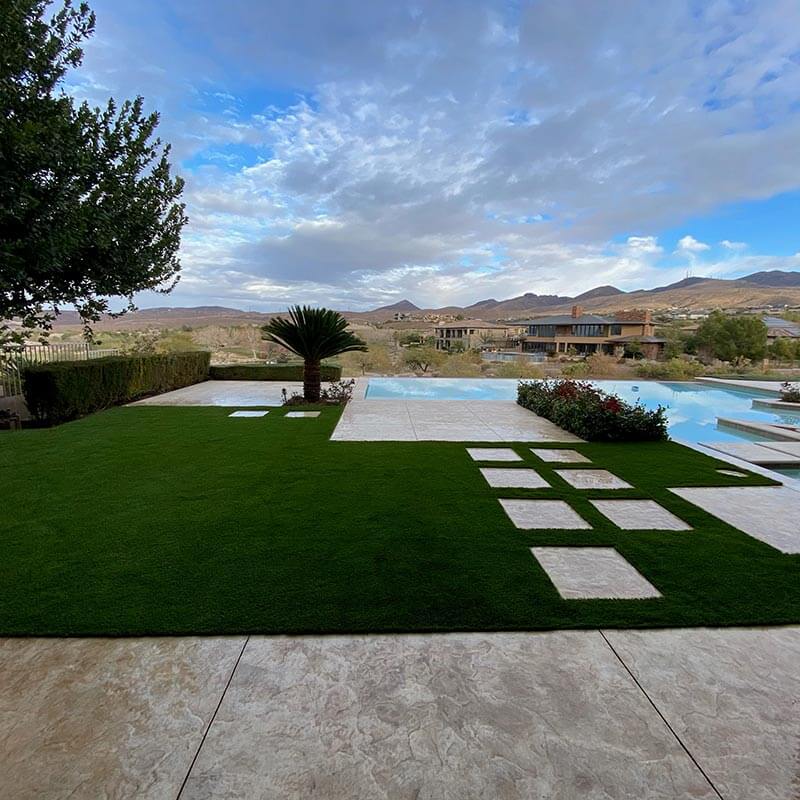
781	327
568	319
471	323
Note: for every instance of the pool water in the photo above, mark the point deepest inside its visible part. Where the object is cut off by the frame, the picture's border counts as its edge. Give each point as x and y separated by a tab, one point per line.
692	408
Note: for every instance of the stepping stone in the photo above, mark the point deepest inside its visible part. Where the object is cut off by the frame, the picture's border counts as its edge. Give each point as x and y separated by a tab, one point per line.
593	573
301	414
514	478
639	515
732	472
249	414
564	456
592	479
544	515
493	454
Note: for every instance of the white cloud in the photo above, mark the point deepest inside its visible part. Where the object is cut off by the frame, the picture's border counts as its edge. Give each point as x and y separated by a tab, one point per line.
688	244
729	245
453	151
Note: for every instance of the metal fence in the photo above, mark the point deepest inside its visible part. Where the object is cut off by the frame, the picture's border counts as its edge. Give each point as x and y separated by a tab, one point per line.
12	364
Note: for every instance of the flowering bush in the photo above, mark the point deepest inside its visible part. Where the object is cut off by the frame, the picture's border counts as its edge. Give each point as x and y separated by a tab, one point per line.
584	410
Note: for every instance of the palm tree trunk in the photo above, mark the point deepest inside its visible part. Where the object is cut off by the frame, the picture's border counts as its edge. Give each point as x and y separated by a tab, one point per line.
311	381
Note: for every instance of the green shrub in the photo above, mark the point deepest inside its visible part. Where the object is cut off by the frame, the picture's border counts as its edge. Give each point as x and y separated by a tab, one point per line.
593	415
270	372
64	390
676	369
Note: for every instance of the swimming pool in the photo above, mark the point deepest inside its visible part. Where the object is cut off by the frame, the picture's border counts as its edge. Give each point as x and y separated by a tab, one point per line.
692	408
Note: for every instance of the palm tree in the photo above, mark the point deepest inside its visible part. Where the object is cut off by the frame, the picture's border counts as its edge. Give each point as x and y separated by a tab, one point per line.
312	334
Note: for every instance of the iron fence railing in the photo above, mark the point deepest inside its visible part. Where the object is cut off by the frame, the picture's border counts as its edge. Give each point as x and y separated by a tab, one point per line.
13	363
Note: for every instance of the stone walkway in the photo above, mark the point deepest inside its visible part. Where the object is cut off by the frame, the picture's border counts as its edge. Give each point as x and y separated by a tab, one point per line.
445	420
225	393
697	713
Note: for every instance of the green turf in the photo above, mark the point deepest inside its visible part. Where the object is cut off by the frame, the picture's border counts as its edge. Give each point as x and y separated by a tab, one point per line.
180	520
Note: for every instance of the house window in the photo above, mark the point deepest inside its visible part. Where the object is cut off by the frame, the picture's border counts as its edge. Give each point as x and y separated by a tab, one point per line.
587	330
616	330
547	331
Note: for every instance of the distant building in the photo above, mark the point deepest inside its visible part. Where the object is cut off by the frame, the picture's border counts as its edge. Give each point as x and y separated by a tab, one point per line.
590	333
778	328
469	334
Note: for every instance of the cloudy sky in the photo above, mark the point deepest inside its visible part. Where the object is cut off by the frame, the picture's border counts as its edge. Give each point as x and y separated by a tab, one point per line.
357	153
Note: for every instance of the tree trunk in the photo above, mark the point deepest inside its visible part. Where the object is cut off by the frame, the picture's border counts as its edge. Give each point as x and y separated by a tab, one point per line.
311	381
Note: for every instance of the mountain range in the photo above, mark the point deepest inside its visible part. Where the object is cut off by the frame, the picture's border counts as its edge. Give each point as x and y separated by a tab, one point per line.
771	288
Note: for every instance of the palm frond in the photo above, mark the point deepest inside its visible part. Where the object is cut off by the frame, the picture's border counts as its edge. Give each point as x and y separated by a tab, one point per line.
313	333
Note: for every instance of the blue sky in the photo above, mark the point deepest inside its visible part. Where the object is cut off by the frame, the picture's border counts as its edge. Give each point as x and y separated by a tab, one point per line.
355	153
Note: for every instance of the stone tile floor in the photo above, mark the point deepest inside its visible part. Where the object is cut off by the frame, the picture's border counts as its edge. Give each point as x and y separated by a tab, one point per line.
693	713
445	420
768	513
225	393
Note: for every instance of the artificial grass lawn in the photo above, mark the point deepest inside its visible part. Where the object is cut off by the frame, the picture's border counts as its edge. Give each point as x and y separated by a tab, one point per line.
151	520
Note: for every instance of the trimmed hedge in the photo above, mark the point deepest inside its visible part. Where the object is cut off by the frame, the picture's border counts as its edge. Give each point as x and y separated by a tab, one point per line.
64	390
595	416
270	372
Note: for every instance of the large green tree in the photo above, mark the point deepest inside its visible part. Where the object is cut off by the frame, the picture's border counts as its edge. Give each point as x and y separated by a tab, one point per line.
89	209
313	334
732	338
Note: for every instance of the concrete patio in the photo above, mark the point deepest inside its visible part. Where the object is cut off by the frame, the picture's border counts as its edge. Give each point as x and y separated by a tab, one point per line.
567	714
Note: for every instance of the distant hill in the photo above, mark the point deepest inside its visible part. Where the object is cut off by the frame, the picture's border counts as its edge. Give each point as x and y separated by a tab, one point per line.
401	307
773	277
769	288
600	291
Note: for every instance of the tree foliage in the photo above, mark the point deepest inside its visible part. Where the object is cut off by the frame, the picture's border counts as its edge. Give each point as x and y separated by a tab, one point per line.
730	338
89	209
313	334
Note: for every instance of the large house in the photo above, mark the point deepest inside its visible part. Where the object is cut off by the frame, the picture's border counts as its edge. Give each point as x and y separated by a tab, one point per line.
467	334
589	333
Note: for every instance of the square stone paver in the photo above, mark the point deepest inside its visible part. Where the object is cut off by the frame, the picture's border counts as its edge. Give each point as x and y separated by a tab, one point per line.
514	478
544	515
732	472
639	515
584	573
493	454
592	479
301	414
249	414
563	456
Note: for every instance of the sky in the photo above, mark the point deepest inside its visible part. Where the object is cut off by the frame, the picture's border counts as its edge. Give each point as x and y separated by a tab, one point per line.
357	153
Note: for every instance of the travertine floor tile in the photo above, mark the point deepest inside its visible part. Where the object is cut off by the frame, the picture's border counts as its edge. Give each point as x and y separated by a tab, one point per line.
493	454
767	513
642	515
249	414
592	479
733	697
444	717
585	573
563	456
301	414
514	478
106	718
543	515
